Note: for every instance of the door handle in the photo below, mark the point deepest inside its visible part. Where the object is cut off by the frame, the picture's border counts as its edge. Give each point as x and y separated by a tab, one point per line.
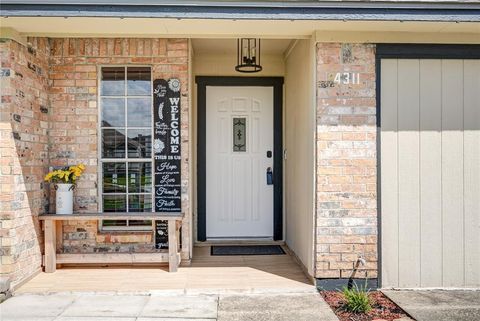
269	176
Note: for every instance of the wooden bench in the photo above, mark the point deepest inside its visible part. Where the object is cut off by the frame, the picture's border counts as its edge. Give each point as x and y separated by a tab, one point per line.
51	258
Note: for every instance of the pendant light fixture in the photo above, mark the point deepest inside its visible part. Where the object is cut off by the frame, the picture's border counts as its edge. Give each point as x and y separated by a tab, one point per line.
248	55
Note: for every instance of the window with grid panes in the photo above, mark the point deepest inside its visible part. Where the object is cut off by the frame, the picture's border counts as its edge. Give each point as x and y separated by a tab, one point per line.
126	143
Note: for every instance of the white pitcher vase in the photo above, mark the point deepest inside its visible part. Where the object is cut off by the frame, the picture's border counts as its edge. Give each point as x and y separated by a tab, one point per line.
64	198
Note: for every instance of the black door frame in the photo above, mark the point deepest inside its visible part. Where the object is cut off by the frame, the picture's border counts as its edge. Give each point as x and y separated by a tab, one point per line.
277	84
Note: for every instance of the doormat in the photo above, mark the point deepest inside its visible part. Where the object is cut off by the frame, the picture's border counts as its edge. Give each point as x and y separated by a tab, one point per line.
247	250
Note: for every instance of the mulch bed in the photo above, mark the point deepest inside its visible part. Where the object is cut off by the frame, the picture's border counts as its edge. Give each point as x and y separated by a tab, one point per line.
382	307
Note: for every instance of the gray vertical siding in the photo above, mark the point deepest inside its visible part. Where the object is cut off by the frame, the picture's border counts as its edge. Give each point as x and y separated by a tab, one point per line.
471	174
430	173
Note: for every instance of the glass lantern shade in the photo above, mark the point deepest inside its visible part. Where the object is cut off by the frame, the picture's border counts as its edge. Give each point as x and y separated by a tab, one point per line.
248	55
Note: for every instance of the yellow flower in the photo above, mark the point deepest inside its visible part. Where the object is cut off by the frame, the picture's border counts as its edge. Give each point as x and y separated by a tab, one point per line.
77	170
68	174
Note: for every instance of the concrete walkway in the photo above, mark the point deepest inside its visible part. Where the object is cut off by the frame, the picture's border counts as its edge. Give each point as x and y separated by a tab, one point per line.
438	305
163	307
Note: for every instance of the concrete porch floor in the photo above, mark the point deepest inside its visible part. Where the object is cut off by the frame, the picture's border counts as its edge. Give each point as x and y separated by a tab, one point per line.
206	274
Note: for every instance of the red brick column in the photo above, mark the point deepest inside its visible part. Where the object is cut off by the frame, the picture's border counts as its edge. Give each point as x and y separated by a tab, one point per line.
23	155
346	160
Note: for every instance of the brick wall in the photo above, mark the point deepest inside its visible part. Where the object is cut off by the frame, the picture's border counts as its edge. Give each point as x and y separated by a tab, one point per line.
23	155
346	161
49	117
59	77
74	122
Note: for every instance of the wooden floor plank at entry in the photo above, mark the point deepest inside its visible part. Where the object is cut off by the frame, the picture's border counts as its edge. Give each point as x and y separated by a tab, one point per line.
243	273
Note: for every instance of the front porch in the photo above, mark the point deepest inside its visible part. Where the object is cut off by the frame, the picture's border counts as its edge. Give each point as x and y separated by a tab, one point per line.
206	274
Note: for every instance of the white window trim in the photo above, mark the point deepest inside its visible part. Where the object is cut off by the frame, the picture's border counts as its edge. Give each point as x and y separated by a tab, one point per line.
126	160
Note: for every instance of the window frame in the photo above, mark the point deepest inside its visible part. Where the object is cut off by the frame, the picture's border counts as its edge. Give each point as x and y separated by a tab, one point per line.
125	160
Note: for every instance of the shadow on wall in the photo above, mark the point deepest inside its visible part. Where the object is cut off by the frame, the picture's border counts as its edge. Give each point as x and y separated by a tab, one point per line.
24	157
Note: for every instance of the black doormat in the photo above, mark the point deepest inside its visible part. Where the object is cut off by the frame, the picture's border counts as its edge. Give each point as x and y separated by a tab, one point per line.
247	250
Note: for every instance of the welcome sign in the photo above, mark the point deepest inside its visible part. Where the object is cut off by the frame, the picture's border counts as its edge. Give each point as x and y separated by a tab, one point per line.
167	145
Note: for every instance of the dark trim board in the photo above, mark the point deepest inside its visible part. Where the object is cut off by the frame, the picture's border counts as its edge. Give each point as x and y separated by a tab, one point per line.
379	172
277	84
427	51
264	10
232	250
338	284
406	51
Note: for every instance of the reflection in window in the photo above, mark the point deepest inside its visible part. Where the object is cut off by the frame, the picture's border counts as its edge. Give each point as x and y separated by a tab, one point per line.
239	134
139	112
113	143
139	222
113	81
114	223
114	203
139	177
139	143
140	203
113	112
114	178
126	143
138	81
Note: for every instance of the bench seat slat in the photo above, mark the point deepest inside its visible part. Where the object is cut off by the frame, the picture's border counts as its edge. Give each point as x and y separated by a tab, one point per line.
112	216
112	258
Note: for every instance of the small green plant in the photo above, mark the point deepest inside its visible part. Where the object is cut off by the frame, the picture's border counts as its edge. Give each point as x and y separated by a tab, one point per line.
357	299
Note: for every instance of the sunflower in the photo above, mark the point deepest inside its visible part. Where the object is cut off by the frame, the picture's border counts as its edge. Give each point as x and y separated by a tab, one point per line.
67	174
48	177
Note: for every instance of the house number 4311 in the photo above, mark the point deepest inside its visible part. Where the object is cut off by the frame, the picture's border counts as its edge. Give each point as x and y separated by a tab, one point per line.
347	78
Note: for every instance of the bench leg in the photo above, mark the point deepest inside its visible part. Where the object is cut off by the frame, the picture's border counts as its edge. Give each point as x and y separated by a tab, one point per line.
50	246
172	246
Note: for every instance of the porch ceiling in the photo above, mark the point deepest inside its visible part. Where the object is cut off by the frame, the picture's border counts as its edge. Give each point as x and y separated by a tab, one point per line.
198	28
229	46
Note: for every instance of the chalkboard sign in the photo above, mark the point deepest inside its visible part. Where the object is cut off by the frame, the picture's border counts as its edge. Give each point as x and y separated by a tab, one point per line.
166	145
161	235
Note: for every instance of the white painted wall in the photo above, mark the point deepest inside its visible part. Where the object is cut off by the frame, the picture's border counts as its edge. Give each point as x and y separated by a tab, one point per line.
299	133
298	68
224	65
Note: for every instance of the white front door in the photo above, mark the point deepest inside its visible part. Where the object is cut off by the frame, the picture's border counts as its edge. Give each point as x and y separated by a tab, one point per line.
239	150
